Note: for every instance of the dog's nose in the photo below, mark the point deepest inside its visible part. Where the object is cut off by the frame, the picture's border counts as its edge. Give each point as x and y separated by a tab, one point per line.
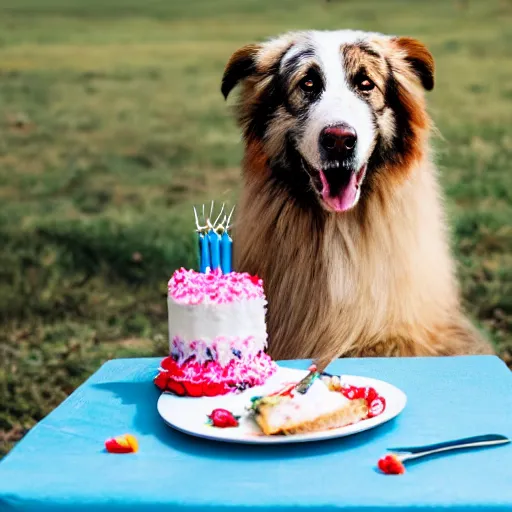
338	140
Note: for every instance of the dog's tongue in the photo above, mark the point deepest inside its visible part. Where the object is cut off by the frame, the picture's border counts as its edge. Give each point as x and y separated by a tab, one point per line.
345	198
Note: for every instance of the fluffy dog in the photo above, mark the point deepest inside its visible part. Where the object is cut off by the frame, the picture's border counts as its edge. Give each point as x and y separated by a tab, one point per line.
340	212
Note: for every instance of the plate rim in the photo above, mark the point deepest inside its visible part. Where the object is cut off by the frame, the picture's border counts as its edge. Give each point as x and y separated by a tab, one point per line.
322	435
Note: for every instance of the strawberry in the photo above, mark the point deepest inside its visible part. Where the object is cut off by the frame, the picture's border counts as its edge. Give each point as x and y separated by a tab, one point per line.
391	465
161	380
122	444
352	392
223	418
176	387
193	389
214	389
370	395
168	363
376	406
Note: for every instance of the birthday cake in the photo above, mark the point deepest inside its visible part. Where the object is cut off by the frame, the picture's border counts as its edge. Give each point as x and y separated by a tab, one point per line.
217	334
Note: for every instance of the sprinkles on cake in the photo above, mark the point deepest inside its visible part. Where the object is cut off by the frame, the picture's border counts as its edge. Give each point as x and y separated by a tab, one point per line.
214	287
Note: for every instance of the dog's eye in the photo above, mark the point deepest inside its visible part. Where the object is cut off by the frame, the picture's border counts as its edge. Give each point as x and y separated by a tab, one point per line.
364	83
308	84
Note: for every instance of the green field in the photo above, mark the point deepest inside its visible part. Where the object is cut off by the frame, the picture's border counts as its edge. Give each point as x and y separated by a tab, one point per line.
112	125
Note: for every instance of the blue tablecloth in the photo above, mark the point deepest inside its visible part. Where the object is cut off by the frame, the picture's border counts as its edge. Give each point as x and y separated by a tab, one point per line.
61	464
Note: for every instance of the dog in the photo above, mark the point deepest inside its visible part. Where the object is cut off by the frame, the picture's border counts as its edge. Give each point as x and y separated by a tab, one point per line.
340	211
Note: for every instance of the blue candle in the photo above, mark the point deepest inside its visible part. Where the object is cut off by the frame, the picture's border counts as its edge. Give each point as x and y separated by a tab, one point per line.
225	252
205	263
214	241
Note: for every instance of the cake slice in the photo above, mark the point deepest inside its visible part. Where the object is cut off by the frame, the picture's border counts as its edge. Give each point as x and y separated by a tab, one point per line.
308	406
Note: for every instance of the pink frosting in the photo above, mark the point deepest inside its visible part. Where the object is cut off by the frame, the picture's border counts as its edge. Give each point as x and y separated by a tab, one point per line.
191	287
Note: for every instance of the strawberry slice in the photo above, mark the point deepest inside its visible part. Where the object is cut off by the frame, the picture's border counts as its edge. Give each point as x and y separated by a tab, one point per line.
391	465
376	406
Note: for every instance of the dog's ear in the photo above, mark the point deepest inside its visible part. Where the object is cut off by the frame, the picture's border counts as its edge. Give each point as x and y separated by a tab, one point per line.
241	65
419	59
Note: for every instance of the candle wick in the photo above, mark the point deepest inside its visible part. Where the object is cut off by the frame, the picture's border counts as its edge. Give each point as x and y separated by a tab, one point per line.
211	209
218	216
228	222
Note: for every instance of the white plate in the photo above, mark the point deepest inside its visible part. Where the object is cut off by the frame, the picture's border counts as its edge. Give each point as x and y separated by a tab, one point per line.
189	415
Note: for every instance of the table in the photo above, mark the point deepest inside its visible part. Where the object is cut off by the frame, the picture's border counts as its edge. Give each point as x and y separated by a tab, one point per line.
61	464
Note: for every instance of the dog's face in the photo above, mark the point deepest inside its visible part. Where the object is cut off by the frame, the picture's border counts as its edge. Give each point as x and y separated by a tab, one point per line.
334	107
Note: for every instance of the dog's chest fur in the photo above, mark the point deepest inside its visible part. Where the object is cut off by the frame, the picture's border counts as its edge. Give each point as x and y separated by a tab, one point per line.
347	284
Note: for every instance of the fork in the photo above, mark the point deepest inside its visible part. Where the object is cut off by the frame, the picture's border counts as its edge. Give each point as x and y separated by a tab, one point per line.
415	452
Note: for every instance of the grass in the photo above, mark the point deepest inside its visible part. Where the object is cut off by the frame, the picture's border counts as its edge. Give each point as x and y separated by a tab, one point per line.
112	125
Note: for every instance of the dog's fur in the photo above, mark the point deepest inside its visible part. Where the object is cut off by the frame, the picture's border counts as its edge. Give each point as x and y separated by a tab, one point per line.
376	279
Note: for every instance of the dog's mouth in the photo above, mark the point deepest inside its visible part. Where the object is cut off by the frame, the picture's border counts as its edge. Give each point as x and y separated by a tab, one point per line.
341	187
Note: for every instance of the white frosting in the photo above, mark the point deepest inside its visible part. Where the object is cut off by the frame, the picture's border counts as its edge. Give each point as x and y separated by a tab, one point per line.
317	401
234	322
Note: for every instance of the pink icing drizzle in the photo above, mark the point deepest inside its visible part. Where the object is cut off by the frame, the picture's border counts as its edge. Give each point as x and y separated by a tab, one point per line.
191	287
